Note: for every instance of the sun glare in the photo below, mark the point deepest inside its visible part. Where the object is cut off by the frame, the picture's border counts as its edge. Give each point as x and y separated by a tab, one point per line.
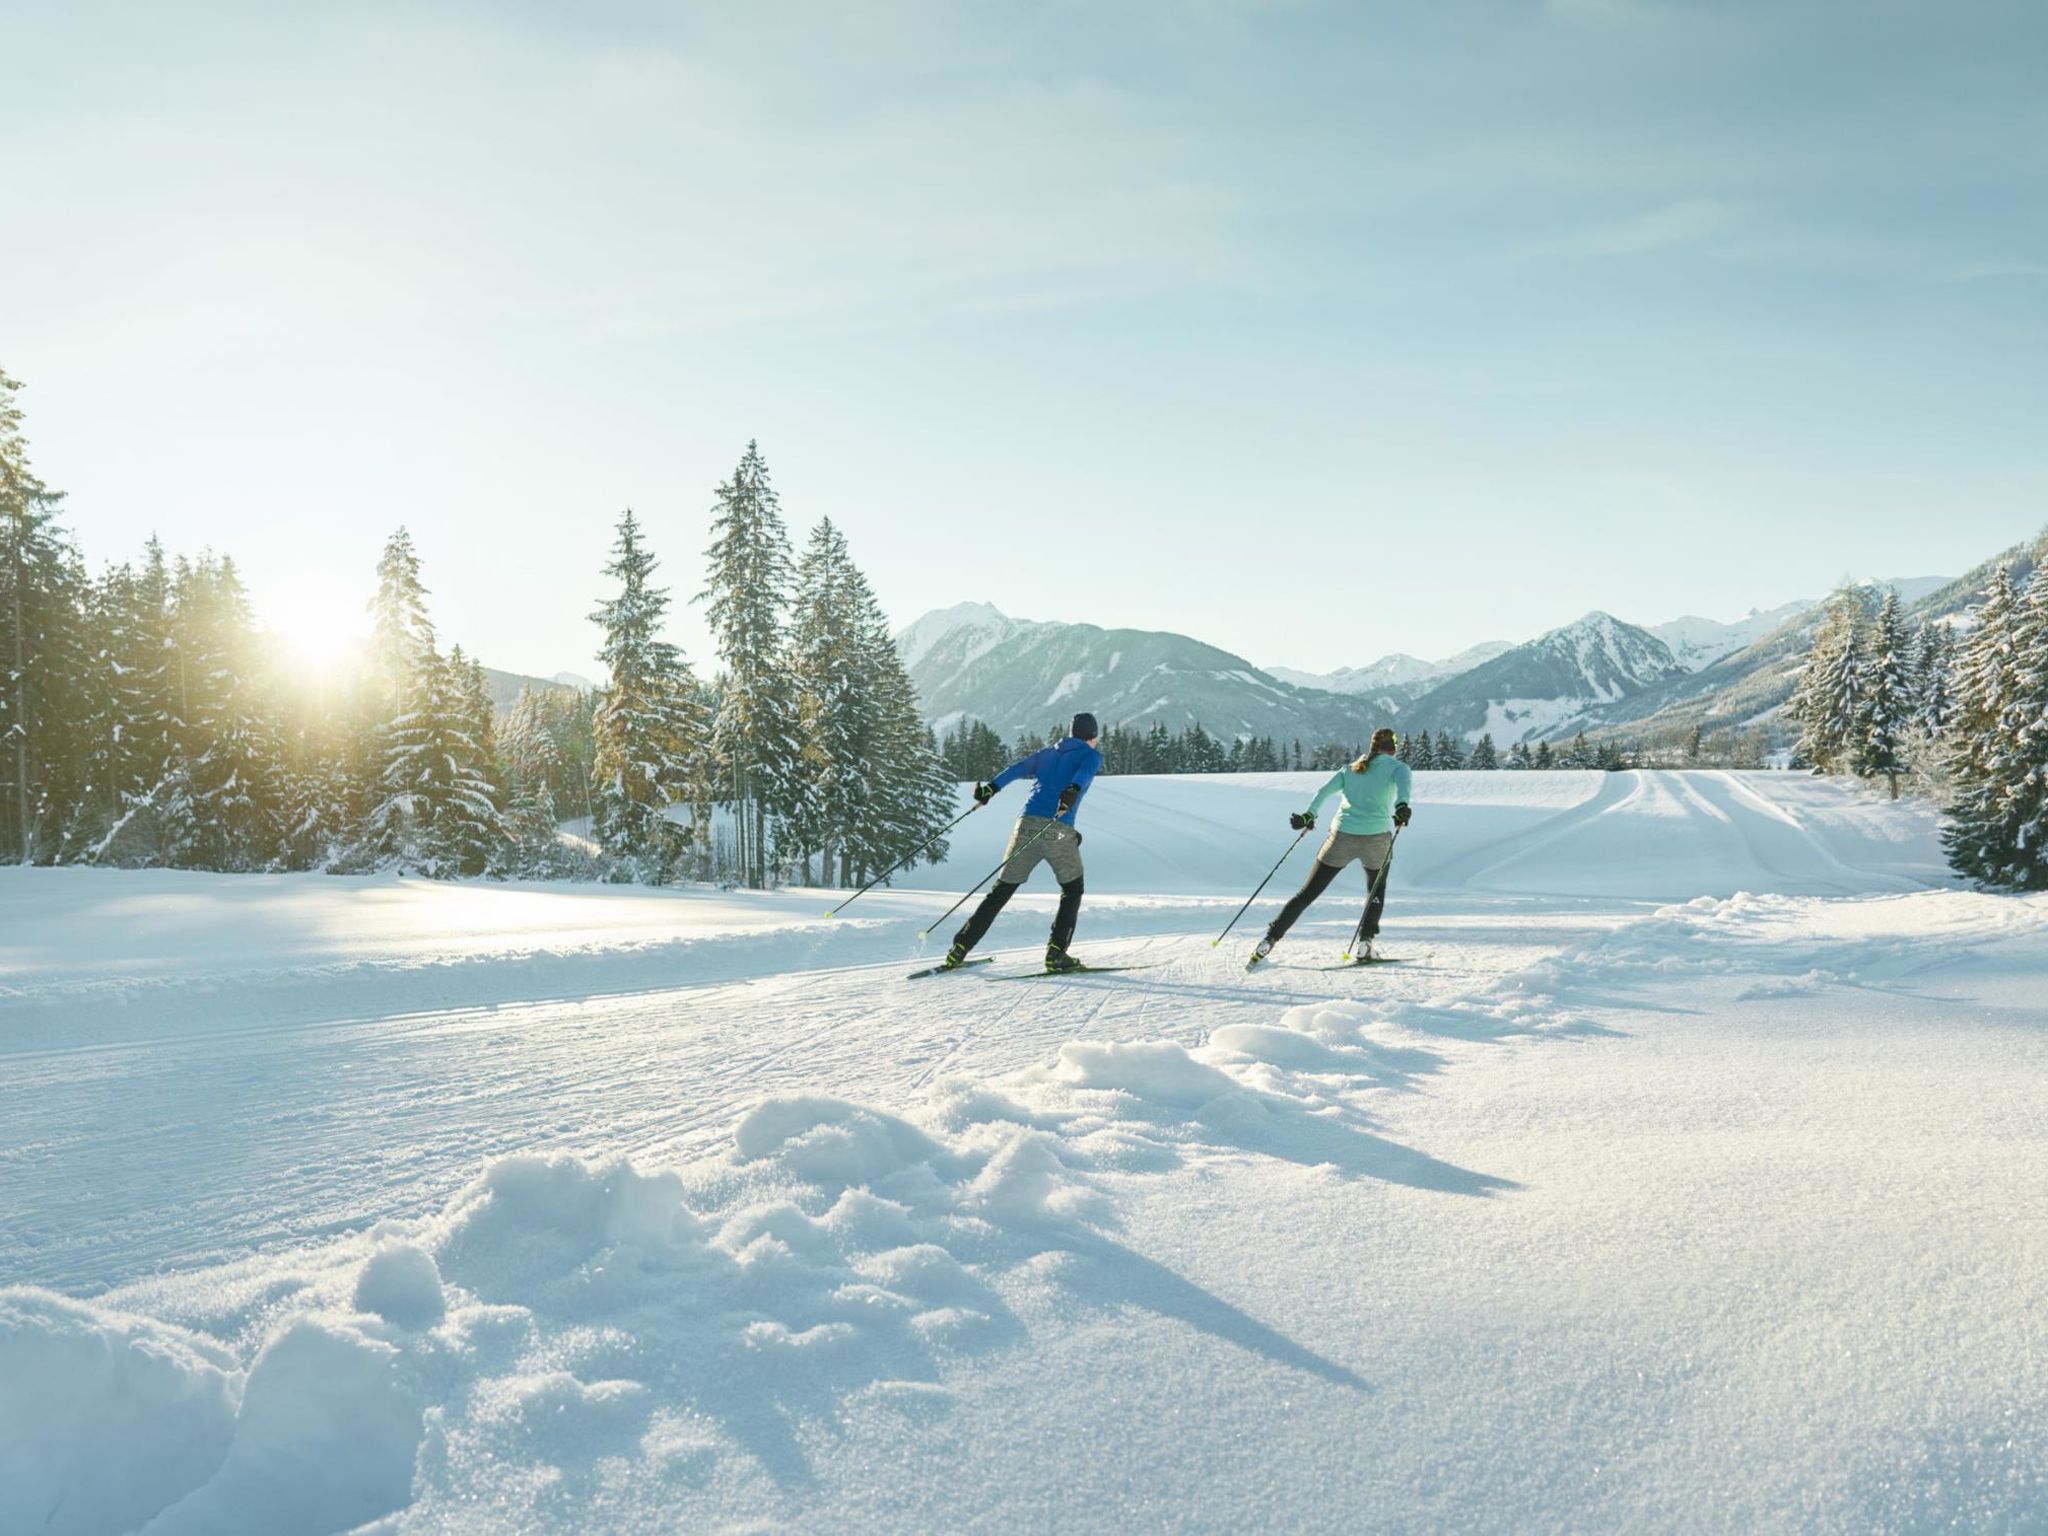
315	640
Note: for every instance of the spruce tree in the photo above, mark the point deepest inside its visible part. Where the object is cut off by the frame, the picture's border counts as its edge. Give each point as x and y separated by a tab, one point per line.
1518	755
230	740
1827	704
1886	706
1449	753
837	723
468	834
42	655
1544	757
746	594
1933	700
650	736
406	781
1993	823
1484	755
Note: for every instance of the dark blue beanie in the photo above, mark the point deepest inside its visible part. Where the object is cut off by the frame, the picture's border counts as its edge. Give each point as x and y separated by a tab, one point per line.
1085	726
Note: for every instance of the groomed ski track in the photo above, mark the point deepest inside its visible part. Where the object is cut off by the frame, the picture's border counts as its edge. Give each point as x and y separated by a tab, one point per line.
653	1045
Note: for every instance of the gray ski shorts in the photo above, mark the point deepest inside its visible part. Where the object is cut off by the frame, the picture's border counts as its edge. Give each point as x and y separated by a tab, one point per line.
1371	848
1061	848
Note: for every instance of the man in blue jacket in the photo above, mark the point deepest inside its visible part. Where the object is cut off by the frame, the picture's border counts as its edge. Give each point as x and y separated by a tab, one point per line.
1044	833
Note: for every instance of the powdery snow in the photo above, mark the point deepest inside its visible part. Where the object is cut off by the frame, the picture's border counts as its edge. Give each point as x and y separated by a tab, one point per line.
1620	1206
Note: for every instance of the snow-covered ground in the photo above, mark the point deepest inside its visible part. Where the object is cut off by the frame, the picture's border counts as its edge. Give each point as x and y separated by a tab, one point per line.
1692	1173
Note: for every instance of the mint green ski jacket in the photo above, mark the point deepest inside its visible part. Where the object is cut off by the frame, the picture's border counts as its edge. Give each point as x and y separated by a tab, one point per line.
1369	797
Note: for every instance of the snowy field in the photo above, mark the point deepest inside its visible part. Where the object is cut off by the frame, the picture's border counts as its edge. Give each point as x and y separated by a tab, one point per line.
1690	1174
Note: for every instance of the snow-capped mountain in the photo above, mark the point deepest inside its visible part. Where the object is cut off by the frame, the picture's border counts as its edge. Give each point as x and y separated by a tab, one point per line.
1018	675
1548	686
1394	674
1696	642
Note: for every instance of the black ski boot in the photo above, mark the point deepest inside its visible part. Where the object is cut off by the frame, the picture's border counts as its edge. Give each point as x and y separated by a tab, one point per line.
1264	948
955	958
1058	962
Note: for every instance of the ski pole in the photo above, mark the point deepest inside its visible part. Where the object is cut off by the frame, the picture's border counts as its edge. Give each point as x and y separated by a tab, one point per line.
1371	891
1262	885
910	859
984	880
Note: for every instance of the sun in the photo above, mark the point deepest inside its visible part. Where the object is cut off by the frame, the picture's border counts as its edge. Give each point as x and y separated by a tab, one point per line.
316	638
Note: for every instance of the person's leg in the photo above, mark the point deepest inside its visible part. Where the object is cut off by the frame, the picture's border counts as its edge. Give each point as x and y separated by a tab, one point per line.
971	932
1063	921
1375	904
1318	882
1063	853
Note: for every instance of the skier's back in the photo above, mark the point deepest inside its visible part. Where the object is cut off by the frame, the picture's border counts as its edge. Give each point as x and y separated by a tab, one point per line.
1045	833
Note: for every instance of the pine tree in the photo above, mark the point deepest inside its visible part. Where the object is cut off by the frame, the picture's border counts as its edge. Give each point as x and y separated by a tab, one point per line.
1994	738
1695	744
746	595
1886	706
1934	653
1828	700
838	728
1421	751
406	781
1544	756
230	743
43	661
651	746
1581	754
1518	755
468	833
1448	752
1484	754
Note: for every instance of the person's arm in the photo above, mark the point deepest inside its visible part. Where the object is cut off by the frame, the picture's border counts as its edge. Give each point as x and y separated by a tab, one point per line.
1404	787
1019	769
1307	818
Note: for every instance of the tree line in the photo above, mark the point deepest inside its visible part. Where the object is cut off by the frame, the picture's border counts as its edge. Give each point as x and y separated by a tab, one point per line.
971	749
145	719
1961	710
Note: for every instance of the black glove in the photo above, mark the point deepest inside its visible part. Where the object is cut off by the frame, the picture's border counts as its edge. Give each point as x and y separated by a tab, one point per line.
1402	813
1302	821
1069	798
983	793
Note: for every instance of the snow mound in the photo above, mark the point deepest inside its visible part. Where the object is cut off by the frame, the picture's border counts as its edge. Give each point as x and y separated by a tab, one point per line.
105	1419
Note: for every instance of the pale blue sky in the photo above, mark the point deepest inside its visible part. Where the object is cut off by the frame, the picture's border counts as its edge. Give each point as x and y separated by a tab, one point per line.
1318	331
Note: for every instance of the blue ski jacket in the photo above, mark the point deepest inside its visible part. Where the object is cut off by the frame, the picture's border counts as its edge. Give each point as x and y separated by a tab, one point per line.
1073	761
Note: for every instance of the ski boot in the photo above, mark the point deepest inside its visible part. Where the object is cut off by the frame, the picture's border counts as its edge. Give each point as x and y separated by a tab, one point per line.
1059	963
1259	953
955	958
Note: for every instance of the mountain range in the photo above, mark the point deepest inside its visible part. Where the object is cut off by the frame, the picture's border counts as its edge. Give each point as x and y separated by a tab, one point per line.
1598	674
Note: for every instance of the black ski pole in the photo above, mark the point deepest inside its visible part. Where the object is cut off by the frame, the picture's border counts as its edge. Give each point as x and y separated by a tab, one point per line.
984	880
1262	885
910	859
1371	891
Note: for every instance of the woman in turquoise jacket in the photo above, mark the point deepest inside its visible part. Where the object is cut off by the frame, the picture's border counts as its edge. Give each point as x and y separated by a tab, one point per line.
1375	791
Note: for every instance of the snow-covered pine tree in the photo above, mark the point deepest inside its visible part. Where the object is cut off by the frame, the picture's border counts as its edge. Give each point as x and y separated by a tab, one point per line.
405	782
230	739
650	746
1934	663
1991	739
1885	710
1827	704
911	795
1484	754
1695	743
1518	755
838	729
2026	719
746	594
43	660
153	823
1581	754
1544	756
468	835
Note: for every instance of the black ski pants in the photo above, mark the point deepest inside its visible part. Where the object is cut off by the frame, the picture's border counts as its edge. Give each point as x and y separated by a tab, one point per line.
1318	882
999	895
